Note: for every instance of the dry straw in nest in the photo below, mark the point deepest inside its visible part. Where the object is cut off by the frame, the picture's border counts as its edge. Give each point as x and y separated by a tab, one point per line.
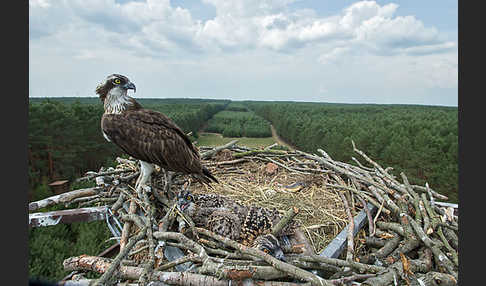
322	215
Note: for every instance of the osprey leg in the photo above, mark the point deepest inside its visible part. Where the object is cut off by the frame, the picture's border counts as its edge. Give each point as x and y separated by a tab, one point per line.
146	170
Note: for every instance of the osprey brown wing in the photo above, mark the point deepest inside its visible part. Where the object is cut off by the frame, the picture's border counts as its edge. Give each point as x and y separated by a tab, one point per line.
153	137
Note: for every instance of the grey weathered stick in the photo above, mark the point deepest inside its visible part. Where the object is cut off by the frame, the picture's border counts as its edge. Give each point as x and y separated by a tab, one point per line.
279	164
431	278
370	199
371	225
431	196
127	225
444	204
314	265
451	237
393	226
98	200
258	151
98	264
286	219
270	146
341	170
451	250
121	255
63	198
354	277
416	198
82	199
127	178
434	193
119	202
375	242
292	270
148	269
210	153
389	246
396	270
339	262
350	237
439	255
231	162
434	218
89	282
181	260
190	244
91	176
133	218
411	241
425	217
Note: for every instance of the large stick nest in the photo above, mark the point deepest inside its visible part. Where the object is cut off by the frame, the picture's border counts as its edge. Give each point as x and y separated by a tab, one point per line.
407	239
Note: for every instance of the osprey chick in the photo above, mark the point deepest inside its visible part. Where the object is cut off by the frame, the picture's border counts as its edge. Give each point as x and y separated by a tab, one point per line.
147	135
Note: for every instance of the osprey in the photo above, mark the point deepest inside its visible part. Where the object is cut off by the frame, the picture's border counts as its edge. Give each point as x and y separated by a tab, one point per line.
147	135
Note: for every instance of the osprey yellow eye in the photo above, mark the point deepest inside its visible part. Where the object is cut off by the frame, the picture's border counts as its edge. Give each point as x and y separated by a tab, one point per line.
189	198
117	80
266	250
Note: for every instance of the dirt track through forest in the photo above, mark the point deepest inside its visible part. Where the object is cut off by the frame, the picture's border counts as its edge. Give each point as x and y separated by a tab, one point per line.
280	140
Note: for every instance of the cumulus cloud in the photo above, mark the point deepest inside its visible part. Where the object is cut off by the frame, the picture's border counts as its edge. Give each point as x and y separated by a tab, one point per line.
241	30
240	25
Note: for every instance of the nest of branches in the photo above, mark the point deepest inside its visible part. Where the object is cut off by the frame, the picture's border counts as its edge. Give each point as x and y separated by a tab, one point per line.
410	238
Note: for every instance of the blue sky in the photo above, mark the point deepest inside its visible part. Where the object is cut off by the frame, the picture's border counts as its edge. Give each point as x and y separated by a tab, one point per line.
402	52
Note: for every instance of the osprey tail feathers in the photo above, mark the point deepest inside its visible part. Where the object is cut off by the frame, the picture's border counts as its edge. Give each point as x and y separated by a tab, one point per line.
207	176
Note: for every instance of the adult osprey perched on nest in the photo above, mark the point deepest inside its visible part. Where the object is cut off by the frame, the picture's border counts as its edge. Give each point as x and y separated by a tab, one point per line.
147	135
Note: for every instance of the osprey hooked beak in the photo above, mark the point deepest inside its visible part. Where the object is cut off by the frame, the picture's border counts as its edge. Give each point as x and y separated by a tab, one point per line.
130	85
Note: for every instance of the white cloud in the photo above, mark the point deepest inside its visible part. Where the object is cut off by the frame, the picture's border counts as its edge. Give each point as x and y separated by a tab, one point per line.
239	25
333	56
248	8
363	11
265	37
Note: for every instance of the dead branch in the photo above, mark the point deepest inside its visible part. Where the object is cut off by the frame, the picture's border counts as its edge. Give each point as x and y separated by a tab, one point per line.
362	267
92	175
350	236
279	265
99	265
286	219
258	151
210	153
127	225
371	224
434	193
63	198
231	162
108	273
395	271
439	255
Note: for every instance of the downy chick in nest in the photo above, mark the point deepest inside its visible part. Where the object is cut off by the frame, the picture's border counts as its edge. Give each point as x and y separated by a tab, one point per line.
249	225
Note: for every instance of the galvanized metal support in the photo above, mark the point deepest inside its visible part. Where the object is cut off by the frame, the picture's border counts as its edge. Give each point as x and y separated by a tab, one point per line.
337	245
